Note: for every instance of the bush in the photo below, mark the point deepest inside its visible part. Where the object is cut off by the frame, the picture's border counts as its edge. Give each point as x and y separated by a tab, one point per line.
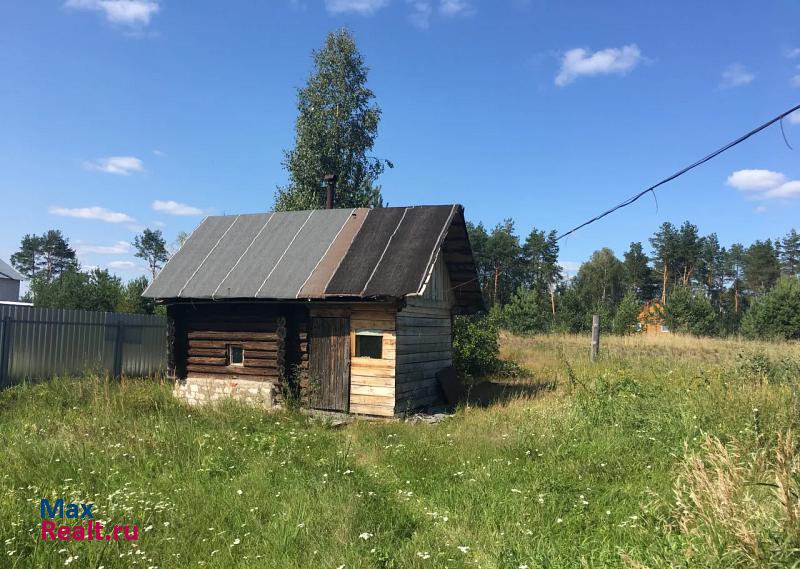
528	312
776	315
689	313
476	345
758	367
626	320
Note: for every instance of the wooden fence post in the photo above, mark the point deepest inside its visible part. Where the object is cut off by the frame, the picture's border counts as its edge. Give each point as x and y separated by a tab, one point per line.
595	336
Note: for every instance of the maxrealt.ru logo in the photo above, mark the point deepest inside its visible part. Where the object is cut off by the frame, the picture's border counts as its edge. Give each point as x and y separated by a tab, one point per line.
90	531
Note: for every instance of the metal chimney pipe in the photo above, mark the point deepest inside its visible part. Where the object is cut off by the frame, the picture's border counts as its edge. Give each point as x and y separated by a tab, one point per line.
330	187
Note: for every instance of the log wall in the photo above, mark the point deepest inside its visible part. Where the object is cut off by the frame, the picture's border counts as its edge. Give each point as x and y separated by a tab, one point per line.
205	332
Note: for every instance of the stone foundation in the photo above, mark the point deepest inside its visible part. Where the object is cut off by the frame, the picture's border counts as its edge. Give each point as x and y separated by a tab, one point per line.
203	390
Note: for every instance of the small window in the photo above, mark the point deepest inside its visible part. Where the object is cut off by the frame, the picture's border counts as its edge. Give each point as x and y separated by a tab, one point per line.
235	355
369	344
664	328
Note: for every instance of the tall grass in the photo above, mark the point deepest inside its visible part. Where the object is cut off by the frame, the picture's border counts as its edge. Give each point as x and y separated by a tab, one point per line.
620	462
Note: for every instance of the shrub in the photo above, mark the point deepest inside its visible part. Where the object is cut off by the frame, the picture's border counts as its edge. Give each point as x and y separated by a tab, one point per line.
758	367
776	315
688	312
528	312
626	320
476	345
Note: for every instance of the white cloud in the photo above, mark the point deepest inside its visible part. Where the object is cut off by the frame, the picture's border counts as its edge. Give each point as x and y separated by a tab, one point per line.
95	212
764	184
788	190
421	11
364	7
761	209
122	265
796	80
580	62
792	53
455	7
128	12
118	248
176	208
159	153
794	118
120	165
755	180
736	75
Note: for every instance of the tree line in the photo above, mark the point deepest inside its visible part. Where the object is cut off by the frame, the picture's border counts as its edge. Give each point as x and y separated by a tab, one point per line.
699	286
57	279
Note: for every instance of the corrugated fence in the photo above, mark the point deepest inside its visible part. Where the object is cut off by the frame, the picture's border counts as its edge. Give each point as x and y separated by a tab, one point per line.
37	343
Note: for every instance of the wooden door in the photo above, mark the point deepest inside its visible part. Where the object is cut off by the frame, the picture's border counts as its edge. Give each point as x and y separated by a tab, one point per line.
330	364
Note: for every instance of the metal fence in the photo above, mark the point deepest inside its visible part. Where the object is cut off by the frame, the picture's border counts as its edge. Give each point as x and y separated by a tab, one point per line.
37	343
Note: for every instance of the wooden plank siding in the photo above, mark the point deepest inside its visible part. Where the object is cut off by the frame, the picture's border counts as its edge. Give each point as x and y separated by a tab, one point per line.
372	390
424	342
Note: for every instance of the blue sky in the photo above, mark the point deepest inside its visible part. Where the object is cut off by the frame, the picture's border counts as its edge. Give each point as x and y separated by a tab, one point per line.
122	114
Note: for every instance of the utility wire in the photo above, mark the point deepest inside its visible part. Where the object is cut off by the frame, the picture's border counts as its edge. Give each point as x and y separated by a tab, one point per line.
692	166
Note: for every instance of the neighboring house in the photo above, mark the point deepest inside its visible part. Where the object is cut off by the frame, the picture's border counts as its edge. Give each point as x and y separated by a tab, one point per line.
651	318
354	304
9	282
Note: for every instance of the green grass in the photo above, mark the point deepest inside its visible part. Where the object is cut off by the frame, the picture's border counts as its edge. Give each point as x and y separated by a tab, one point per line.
581	474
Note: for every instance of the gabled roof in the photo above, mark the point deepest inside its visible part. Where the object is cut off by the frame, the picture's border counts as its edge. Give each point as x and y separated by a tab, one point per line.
8	272
322	254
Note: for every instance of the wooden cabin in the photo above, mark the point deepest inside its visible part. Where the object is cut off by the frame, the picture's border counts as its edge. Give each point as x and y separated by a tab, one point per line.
348	309
651	318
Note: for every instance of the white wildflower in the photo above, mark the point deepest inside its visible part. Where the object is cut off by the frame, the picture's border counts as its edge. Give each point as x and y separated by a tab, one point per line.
365	536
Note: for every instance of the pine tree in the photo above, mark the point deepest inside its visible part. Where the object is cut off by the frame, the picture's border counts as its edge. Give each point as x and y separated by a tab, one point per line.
626	320
335	129
711	267
503	256
541	270
734	272
689	247
151	247
638	275
761	267
27	259
48	255
789	253
665	247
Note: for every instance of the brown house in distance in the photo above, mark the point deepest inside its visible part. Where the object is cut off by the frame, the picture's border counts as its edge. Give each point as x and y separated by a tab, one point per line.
651	318
348	308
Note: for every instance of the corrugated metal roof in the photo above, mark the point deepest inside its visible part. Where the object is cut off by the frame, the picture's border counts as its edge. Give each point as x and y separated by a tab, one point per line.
8	272
385	252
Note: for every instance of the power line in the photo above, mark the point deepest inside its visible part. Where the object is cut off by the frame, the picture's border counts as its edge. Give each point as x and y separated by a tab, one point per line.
681	172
